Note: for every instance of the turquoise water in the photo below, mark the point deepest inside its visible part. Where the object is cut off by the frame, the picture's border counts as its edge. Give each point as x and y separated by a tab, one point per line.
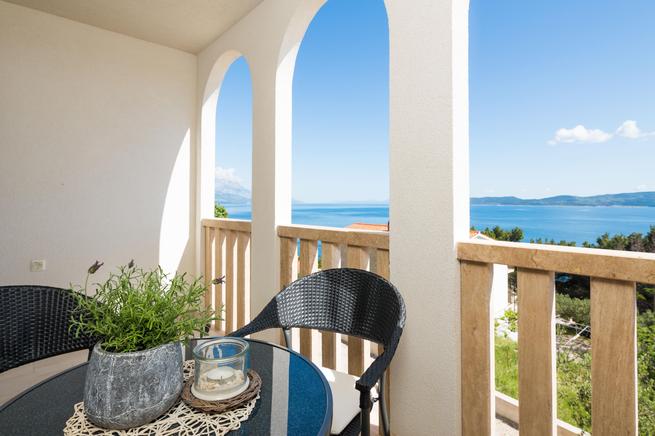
569	223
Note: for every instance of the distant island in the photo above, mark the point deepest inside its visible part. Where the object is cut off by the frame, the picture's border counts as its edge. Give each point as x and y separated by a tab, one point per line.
644	199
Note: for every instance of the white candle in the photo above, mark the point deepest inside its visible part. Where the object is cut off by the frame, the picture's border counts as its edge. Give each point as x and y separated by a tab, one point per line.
223	375
220	383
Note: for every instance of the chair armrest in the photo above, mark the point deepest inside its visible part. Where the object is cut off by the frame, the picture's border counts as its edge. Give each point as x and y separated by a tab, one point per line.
244	331
373	373
268	318
379	365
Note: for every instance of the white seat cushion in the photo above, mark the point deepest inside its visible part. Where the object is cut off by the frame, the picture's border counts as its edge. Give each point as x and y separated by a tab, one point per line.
345	398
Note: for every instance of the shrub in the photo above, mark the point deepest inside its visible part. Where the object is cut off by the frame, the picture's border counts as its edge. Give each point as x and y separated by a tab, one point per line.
220	211
577	309
511	317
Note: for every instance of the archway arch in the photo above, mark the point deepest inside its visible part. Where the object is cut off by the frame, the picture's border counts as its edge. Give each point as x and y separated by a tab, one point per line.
234	116
207	158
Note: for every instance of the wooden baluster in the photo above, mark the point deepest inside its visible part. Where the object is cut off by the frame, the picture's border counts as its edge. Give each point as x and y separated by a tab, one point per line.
477	341
208	274
230	279
537	375
219	271
613	358
308	264
330	259
243	277
288	265
357	258
288	261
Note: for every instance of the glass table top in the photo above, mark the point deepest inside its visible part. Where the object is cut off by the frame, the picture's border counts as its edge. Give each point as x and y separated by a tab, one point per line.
295	398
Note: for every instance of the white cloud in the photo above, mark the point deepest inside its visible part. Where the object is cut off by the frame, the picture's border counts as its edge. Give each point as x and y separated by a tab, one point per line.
580	134
630	130
229	187
227	175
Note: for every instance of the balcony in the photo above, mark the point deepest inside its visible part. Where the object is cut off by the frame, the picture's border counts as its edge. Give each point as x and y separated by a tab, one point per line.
613	317
108	140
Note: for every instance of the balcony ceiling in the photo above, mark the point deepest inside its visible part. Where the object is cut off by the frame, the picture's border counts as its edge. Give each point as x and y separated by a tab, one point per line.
188	25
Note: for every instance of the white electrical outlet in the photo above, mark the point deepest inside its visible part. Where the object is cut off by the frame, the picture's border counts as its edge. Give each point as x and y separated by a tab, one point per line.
37	265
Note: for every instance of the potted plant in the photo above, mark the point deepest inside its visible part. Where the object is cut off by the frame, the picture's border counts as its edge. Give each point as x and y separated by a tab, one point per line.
135	373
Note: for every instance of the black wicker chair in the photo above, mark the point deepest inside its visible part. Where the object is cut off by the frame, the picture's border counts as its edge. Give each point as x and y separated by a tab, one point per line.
349	301
34	324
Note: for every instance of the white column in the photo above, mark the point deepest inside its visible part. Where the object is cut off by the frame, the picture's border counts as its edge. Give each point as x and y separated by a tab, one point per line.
429	198
271	183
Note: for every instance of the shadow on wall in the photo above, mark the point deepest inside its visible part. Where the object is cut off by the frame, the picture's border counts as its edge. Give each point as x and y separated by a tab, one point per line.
177	227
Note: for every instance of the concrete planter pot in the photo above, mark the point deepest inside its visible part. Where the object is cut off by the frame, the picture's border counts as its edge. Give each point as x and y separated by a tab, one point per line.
125	390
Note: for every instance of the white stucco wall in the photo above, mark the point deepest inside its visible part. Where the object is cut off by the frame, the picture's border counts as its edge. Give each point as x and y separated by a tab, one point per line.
95	149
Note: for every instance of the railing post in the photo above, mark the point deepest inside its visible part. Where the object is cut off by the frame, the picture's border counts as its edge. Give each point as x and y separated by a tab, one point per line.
219	271
478	387
357	258
613	358
330	259
207	273
537	375
288	267
230	280
308	264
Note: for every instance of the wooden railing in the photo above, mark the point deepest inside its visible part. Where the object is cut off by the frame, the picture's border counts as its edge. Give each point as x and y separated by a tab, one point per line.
613	326
362	249
227	253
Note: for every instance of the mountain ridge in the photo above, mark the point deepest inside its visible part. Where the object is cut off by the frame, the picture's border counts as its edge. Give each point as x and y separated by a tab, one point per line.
643	199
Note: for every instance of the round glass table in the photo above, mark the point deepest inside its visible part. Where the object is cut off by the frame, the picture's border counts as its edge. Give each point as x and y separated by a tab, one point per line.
295	398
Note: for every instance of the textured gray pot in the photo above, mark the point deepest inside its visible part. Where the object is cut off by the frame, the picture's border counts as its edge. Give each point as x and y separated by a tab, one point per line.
125	390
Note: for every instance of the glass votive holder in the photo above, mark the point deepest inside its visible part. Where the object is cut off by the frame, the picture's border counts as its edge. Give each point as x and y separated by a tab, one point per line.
221	369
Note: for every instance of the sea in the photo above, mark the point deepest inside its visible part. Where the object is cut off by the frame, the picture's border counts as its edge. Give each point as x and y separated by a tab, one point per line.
569	223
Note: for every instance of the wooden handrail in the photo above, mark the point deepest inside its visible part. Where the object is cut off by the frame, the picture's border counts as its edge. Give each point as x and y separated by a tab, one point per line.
606	264
228	224
352	237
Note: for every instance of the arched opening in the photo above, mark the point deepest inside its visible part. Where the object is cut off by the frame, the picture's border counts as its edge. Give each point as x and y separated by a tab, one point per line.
233	168
207	153
340	117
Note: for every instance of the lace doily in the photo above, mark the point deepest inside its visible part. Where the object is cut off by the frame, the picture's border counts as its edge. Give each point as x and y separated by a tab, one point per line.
179	420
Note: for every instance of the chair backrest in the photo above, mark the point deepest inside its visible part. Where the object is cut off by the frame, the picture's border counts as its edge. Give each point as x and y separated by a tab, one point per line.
34	324
344	300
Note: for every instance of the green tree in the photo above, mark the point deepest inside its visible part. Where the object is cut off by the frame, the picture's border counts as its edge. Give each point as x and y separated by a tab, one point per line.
553	242
220	211
500	234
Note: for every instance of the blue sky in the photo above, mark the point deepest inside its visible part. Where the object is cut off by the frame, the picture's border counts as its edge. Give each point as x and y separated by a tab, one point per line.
540	66
561	101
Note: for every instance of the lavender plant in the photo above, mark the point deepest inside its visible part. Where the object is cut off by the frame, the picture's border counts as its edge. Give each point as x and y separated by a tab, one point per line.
135	309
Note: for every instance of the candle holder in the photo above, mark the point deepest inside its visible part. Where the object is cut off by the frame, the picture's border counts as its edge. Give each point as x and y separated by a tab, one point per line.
221	369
